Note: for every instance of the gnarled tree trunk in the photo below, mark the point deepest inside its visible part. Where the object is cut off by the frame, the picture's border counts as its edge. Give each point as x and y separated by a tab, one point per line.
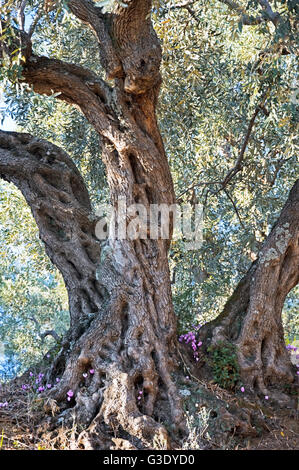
251	319
122	320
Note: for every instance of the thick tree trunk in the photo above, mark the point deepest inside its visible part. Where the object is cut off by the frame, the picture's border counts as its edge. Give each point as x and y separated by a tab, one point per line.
122	321
251	319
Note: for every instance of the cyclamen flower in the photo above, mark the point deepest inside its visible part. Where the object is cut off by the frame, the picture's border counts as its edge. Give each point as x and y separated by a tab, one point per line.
84	375
70	393
266	397
41	389
57	379
49	385
242	389
91	371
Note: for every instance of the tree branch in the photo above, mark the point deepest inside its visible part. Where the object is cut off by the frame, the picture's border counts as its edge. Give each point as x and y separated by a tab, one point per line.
272	15
251	20
186	6
245	18
238	164
235	207
92	16
35	22
52	333
21	14
137	45
59	201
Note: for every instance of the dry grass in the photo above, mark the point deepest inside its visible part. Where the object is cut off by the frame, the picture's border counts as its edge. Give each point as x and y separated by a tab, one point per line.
20	424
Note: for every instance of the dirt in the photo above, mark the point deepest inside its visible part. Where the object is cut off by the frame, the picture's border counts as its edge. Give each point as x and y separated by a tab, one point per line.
233	422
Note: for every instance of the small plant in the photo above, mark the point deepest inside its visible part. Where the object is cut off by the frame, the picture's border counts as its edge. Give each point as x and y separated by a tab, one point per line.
224	364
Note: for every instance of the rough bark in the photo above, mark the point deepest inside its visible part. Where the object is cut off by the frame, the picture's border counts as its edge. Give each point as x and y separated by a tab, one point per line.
122	323
122	320
251	319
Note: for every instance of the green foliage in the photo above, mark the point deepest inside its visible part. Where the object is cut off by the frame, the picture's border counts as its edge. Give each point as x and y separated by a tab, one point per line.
224	364
32	294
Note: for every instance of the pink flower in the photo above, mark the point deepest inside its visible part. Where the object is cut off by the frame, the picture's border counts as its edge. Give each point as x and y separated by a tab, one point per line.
84	375
242	389
57	380
70	393
49	385
91	371
266	397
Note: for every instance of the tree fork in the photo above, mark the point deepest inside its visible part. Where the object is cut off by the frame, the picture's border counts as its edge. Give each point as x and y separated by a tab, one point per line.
122	321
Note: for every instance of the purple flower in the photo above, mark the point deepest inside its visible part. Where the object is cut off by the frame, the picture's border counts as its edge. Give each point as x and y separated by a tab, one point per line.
85	375
242	389
70	393
41	389
91	371
266	397
57	379
31	374
49	385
